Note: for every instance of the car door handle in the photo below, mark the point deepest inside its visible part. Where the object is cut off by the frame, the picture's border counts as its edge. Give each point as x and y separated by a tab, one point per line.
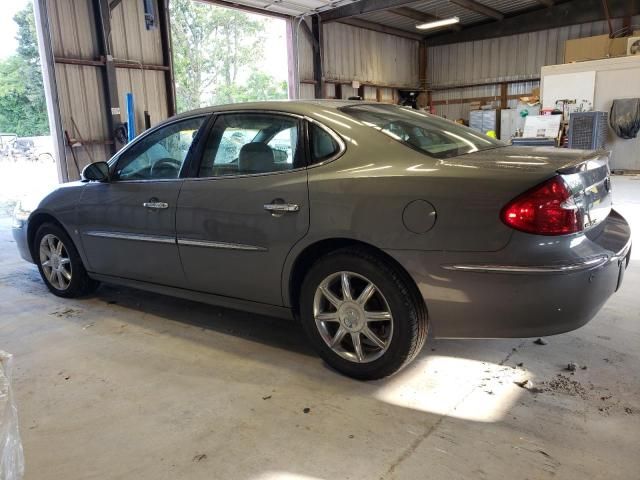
155	205
281	207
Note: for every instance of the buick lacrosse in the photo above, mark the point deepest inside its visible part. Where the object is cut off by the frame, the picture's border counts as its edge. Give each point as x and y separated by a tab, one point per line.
369	223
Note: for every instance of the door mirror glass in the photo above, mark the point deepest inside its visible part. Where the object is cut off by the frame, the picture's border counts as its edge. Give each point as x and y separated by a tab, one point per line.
96	171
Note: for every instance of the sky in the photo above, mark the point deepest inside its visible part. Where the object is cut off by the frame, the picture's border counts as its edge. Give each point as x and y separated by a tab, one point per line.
8	27
274	62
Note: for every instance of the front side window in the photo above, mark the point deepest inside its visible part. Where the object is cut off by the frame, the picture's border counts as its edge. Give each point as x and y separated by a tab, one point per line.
159	155
434	136
251	143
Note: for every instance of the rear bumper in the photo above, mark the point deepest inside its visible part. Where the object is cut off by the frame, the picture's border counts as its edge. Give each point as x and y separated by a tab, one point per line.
497	294
19	231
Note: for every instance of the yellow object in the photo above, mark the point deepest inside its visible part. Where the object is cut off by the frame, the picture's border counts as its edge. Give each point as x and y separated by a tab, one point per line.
492	134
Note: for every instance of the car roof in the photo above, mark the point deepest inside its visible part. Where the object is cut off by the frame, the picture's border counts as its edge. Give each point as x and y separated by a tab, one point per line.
292	106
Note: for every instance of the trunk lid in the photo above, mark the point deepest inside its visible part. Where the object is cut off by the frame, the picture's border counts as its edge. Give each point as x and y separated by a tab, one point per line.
586	173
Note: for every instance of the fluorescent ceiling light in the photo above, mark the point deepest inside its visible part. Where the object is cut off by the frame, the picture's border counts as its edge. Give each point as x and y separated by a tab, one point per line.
438	23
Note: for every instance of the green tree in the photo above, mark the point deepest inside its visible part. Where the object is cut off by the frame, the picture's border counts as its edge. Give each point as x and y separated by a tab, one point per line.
23	108
212	46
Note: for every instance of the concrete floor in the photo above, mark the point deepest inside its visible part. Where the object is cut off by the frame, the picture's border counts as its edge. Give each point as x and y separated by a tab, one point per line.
134	385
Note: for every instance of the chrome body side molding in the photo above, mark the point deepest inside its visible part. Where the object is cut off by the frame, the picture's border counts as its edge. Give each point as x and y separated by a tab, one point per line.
222	245
536	269
131	236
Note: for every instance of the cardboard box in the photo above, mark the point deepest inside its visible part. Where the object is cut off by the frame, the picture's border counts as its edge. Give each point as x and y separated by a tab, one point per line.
595	48
475	105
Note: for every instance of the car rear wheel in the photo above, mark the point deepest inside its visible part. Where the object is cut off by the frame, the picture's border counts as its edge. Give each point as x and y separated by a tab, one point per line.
361	314
60	264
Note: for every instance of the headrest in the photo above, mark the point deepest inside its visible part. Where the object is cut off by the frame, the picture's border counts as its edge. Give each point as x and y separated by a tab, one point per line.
256	157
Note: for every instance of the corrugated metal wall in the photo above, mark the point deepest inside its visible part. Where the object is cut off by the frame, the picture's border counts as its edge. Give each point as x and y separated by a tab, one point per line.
80	88
352	53
516	57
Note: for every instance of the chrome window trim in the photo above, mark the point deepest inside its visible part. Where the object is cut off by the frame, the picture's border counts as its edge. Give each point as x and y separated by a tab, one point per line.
131	236
253	110
535	269
221	245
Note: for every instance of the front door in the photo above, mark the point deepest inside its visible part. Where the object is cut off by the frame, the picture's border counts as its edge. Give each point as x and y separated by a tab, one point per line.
128	223
239	219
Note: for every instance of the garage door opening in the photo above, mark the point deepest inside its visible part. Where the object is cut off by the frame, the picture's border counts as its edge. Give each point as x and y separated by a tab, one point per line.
27	165
224	55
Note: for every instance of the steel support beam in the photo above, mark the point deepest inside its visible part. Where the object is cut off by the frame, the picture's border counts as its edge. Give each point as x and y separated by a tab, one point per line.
167	55
377	27
318	77
119	64
560	15
102	18
363	6
479	8
247	8
307	33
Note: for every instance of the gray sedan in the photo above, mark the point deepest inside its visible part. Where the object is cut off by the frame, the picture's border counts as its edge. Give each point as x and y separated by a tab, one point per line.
370	223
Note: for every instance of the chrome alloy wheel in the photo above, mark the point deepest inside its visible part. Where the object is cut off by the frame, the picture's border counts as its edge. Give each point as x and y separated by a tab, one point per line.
55	261
353	317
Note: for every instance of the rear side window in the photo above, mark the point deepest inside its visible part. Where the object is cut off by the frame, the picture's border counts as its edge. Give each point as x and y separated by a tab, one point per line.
322	144
251	143
428	134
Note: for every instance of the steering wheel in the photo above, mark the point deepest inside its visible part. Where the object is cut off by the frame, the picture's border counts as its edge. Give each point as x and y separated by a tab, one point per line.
165	168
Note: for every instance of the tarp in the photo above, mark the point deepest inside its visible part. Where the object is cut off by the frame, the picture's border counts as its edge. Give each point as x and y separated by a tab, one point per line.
11	455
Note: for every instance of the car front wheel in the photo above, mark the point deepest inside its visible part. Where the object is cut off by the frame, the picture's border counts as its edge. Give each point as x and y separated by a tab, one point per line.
361	314
60	264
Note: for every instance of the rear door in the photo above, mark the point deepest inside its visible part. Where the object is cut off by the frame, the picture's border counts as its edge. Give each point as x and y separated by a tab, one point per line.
128	223
237	221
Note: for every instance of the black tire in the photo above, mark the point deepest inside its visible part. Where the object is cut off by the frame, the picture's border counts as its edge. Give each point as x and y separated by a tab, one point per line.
407	308
80	283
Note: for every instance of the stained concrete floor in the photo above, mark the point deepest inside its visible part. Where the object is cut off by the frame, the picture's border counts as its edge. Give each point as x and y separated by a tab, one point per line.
134	385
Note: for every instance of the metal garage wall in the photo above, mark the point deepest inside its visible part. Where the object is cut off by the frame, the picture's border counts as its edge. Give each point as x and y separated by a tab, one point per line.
515	57
352	53
134	44
461	110
69	26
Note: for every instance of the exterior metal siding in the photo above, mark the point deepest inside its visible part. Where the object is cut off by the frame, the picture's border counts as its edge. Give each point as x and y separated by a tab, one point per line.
515	57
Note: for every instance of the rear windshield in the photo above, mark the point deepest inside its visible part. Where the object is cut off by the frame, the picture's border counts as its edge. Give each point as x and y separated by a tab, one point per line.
435	136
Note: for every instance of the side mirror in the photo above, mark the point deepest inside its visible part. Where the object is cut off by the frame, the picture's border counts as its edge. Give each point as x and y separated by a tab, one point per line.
96	171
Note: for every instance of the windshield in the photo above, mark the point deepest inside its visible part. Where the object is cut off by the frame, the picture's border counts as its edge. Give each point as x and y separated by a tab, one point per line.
435	136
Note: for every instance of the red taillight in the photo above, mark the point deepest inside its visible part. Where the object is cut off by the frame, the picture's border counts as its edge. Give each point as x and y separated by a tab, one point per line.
547	209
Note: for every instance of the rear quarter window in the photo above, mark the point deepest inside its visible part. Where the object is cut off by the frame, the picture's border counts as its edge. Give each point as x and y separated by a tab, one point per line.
322	145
